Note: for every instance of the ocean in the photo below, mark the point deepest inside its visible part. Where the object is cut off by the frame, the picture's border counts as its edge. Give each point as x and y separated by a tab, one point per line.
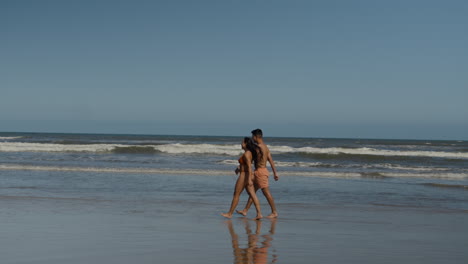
294	156
108	198
426	163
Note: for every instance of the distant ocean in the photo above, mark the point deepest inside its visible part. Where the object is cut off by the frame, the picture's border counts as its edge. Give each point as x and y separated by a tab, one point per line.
208	155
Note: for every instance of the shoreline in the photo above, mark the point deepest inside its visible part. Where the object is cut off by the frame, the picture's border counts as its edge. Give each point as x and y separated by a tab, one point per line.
215	172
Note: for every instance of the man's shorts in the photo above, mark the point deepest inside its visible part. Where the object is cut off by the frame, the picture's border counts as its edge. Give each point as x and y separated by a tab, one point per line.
261	178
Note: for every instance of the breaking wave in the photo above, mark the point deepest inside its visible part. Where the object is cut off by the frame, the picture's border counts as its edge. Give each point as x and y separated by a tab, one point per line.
231	150
135	149
49	147
453	176
9	138
348	166
369	152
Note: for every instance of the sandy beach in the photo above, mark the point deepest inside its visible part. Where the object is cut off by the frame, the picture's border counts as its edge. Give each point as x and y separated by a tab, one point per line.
124	124
106	218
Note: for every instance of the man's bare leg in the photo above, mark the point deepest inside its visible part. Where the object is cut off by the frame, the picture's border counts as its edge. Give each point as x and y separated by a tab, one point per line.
269	197
273	226
252	243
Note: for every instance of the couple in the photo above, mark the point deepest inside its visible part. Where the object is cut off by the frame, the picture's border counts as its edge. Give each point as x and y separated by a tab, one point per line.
257	152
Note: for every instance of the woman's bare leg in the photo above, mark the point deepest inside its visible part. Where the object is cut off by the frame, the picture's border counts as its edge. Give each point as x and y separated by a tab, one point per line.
269	197
252	196
252	242
239	254
240	184
248	205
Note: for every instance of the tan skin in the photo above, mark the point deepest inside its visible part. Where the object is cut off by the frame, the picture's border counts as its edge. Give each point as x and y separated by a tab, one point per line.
245	181
257	250
262	163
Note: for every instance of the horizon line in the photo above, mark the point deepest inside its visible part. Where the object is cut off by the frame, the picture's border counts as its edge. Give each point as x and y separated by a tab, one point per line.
199	135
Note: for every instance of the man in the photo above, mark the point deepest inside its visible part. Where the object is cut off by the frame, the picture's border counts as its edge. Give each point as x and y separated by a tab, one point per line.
261	174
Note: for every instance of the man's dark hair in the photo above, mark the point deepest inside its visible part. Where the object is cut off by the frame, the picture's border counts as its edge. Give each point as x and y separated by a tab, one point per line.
257	132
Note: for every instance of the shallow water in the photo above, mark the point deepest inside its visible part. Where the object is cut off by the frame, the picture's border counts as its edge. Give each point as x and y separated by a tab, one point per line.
77	217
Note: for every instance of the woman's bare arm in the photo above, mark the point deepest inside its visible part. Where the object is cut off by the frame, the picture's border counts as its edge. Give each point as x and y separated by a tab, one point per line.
248	162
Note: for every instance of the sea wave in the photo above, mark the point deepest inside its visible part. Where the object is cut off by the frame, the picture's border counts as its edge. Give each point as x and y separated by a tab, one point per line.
290	164
398	167
9	138
452	176
231	150
135	149
368	151
348	166
49	147
176	148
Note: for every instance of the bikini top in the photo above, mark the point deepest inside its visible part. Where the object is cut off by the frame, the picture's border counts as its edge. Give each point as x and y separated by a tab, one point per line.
241	160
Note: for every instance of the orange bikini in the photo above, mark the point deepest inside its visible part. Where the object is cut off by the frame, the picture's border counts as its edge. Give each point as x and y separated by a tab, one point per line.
241	160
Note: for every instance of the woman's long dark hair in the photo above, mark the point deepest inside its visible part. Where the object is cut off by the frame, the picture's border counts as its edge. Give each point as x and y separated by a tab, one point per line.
254	149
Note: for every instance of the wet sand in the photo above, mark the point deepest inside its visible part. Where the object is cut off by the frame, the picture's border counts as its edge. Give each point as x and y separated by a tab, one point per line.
99	221
38	230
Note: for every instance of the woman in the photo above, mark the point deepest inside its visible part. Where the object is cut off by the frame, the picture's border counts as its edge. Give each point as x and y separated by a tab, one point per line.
245	180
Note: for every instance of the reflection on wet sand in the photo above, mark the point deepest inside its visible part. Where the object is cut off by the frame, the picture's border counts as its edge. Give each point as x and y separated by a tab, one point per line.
258	244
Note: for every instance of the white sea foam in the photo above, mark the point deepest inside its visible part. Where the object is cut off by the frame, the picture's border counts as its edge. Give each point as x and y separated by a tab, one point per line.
229	162
453	176
448	176
398	167
50	147
287	164
177	148
9	138
114	170
368	151
232	150
349	166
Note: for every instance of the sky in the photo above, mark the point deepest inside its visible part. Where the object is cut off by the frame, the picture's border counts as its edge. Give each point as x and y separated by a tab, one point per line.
347	69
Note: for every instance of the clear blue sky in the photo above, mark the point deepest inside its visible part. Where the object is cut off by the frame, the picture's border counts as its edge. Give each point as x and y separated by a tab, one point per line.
378	69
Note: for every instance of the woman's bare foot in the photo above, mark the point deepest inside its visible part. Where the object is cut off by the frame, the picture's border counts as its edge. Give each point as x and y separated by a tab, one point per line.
273	215
227	215
243	212
258	217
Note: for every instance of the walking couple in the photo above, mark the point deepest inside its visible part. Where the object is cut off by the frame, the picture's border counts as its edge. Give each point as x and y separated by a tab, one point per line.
255	151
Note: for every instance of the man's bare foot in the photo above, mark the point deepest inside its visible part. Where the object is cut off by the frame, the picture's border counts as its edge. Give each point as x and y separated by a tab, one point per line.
243	212
227	215
258	217
272	215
